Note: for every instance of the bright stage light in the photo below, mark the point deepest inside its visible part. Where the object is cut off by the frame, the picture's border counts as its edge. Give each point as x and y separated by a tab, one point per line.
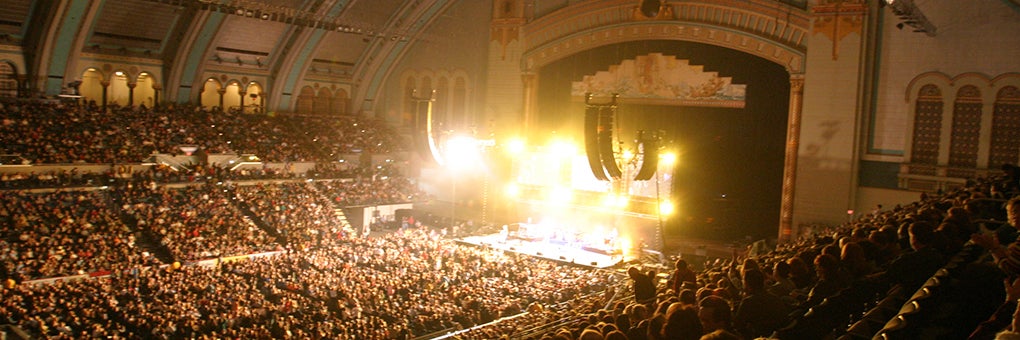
622	201
563	149
461	152
625	246
513	190
560	195
666	208
516	146
609	201
628	155
667	159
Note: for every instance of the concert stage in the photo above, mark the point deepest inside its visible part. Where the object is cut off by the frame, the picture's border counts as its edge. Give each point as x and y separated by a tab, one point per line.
551	250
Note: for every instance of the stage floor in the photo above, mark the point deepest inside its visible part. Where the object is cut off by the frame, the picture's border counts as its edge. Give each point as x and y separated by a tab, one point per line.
575	254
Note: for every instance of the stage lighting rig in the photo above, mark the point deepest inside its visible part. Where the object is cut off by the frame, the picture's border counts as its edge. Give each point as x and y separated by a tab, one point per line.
910	15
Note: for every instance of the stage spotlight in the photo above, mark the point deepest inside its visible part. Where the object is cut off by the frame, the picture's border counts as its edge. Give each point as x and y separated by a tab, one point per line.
666	208
563	149
515	146
461	152
560	195
609	201
622	201
513	190
627	155
667	159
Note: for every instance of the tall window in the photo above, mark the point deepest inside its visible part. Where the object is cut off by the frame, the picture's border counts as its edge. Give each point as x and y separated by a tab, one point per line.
966	133
927	130
1005	143
8	80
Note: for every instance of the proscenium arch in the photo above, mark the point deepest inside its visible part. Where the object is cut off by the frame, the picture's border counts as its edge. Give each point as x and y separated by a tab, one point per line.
769	30
791	58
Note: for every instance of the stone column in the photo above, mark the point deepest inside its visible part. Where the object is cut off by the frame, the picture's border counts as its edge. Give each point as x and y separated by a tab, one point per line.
242	93
106	87
155	95
786	228
530	81
221	92
131	93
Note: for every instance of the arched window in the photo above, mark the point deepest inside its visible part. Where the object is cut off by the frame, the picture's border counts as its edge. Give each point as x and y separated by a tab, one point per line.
458	106
232	97
8	80
966	132
144	93
927	130
118	90
340	102
441	108
1005	143
306	100
407	118
322	100
91	87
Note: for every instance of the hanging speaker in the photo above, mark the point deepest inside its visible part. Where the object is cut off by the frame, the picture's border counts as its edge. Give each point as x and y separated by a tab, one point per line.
605	129
591	142
424	139
649	148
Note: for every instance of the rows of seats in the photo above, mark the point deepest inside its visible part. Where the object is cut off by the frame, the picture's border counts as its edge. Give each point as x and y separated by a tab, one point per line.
53	133
904	273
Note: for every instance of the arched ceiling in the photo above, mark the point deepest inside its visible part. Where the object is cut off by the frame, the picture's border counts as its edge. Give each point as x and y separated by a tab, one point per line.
278	40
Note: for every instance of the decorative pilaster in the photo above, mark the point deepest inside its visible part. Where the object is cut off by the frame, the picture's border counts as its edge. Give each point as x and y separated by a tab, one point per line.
221	92
790	164
106	87
155	95
838	18
530	80
131	93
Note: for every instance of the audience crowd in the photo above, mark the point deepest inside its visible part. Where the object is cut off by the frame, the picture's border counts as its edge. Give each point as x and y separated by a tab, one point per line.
52	133
141	233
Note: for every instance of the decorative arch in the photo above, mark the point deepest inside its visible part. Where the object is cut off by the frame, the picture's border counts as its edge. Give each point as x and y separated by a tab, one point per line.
144	92
341	101
757	27
231	96
118	92
256	101
927	134
321	104
92	87
1005	140
8	79
210	96
306	100
965	133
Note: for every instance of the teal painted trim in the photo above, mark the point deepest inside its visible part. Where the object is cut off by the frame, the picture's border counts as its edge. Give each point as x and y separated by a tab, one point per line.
387	63
872	125
24	27
303	57
1013	4
879	174
98	60
169	31
201	44
61	48
299	66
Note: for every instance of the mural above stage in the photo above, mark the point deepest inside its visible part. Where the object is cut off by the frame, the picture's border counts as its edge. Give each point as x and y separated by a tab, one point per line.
661	80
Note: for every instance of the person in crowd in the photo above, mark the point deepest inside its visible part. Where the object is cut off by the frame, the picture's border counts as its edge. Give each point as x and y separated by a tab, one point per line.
759	313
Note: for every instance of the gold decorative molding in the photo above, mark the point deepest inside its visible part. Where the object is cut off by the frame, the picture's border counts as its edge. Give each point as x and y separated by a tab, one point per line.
505	31
665	12
837	19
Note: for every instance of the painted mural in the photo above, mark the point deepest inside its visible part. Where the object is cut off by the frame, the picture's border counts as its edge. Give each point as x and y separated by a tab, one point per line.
662	80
